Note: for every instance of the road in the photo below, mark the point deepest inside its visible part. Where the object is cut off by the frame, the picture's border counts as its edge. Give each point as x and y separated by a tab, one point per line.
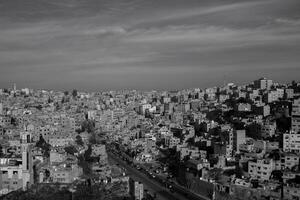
150	184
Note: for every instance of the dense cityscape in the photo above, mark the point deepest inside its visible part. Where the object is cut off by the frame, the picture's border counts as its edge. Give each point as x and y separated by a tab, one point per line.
227	142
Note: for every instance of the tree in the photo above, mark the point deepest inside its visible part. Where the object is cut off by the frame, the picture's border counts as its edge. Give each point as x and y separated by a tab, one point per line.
74	93
88	153
79	140
0	150
215	174
14	121
93	139
88	126
44	146
191	141
70	150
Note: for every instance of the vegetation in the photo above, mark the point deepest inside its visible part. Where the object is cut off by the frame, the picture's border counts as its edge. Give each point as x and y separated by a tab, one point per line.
44	146
71	150
74	93
84	191
78	140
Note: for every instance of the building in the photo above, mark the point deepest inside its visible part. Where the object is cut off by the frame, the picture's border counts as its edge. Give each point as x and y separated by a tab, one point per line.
136	189
268	129
144	107
192	152
99	150
263	84
243	107
5	121
239	137
291	142
171	141
27	162
263	110
66	173
289	161
57	156
10	175
272	96
1	109
289	93
261	169
296	116
291	191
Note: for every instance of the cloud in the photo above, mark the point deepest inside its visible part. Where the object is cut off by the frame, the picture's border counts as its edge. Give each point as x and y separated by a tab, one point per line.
133	42
284	21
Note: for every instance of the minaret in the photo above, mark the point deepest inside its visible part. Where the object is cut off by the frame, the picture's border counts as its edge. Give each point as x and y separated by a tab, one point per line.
27	164
15	87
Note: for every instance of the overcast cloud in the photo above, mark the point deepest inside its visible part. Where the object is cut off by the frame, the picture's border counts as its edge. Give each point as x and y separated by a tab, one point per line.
147	44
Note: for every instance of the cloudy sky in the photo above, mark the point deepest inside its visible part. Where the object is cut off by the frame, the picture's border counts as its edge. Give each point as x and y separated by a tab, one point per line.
147	44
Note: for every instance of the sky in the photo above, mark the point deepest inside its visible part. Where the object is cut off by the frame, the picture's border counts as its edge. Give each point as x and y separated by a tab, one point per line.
98	45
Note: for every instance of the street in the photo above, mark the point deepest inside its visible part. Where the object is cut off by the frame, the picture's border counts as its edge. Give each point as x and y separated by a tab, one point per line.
153	186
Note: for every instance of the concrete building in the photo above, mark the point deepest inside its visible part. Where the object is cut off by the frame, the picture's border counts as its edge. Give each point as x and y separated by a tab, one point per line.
27	161
288	161
5	121
144	107
171	141
289	93
268	129
263	110
272	96
66	173
296	116
10	175
291	191
99	150
136	189
239	137
1	109
291	142
261	169
243	107
263	84
193	153
57	156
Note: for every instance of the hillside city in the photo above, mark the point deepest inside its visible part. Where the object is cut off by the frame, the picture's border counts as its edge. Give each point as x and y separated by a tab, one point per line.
229	143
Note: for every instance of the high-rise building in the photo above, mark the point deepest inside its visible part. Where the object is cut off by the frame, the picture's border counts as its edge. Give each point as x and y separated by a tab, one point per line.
296	116
136	189
263	84
239	137
27	164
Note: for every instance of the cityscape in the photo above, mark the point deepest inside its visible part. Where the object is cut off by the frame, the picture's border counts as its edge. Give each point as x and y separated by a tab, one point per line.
149	100
226	142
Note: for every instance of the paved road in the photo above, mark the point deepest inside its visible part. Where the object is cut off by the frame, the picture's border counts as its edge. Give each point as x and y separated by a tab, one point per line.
180	193
151	185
